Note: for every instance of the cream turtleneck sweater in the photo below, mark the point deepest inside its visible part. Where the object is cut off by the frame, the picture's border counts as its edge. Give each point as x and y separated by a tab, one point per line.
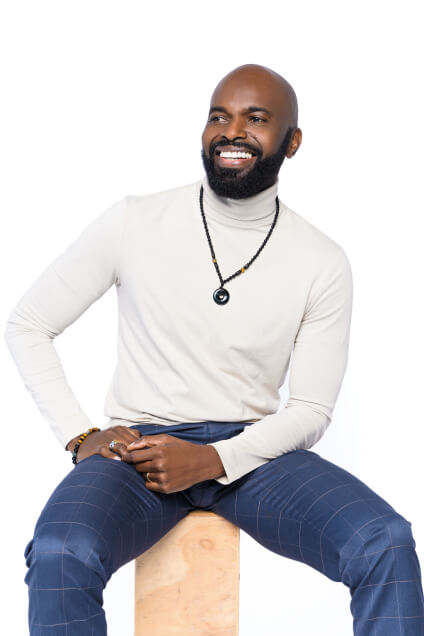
181	356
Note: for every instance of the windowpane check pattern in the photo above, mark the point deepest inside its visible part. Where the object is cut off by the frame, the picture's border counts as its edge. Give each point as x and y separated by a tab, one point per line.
298	505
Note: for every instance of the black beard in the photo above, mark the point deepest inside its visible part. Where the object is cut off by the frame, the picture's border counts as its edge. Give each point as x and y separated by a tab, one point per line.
225	182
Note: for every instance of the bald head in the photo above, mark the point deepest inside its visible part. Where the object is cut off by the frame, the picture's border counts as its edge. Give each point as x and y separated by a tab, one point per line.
267	81
253	111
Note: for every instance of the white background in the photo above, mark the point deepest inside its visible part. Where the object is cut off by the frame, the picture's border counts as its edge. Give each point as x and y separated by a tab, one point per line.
104	99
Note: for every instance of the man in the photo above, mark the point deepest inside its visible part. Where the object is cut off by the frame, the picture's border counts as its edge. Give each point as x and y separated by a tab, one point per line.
205	356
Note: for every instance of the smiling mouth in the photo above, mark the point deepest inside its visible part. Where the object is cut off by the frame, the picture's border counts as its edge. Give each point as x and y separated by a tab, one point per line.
234	157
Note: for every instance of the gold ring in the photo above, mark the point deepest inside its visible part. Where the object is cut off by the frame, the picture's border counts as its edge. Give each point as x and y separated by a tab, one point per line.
113	443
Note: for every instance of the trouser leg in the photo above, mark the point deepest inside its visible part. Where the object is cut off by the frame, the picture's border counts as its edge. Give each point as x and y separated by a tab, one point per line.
306	508
99	517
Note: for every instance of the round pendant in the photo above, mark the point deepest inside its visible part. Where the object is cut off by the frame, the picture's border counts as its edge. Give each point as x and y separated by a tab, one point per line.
221	296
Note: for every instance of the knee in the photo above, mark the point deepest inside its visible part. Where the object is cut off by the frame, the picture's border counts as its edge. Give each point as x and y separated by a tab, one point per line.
399	532
64	549
388	533
382	533
375	546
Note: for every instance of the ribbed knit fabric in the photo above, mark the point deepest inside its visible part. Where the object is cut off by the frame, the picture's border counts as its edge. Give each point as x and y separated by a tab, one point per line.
181	356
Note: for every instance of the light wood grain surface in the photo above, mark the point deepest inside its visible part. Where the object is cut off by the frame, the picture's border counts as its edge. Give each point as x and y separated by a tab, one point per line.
187	584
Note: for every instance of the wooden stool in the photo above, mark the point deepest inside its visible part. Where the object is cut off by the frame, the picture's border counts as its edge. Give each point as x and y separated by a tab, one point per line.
187	584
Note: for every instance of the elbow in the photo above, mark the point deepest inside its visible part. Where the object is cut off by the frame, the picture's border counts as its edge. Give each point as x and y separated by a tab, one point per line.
315	434
9	329
22	323
313	419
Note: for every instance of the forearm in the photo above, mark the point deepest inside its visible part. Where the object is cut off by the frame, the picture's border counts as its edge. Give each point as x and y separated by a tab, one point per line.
31	343
276	434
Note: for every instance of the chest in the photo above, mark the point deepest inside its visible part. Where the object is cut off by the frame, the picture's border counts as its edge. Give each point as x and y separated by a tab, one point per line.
168	278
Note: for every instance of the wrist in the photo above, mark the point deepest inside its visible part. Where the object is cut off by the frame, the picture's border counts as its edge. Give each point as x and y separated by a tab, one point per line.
70	445
213	463
80	440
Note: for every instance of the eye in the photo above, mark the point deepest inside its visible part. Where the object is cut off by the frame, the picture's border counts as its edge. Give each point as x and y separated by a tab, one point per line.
256	119
216	117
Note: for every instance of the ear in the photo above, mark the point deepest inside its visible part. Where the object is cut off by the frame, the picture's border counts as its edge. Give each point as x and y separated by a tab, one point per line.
294	144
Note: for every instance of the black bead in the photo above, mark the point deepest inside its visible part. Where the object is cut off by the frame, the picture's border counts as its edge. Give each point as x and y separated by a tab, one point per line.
221	296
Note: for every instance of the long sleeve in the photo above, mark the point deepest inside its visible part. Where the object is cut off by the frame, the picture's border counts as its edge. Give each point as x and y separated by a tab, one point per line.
63	291
318	364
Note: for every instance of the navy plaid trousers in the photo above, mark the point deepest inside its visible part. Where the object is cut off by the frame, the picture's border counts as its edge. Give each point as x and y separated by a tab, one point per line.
299	505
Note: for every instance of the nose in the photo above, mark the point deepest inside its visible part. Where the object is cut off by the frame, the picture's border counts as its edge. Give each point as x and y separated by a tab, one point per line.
235	129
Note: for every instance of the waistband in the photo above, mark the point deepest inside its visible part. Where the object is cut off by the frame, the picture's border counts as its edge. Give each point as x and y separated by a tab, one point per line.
201	432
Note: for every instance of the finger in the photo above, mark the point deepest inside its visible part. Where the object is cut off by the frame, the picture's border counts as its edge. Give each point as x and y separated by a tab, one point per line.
106	452
140	455
155	477
153	485
122	433
129	433
125	434
154	481
144	442
119	449
140	443
159	439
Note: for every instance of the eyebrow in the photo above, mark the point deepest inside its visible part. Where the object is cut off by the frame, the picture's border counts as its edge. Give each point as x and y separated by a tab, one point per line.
249	109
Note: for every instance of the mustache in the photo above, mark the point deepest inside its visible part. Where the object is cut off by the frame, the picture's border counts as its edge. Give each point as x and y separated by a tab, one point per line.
236	144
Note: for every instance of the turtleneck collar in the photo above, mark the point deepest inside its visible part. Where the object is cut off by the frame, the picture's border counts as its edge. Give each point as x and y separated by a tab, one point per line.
252	211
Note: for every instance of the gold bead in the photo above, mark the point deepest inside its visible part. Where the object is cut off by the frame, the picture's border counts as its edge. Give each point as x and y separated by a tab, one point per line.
242	269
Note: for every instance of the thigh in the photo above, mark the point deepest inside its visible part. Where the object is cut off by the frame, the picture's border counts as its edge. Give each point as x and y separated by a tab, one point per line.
306	508
102	512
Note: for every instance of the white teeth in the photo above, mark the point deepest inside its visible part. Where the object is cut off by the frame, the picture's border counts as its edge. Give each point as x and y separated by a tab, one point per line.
235	155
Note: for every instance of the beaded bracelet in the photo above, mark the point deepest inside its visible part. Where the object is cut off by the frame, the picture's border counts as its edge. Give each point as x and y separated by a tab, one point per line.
80	440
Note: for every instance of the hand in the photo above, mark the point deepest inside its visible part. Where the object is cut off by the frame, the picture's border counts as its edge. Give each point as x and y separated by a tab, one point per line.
98	442
173	464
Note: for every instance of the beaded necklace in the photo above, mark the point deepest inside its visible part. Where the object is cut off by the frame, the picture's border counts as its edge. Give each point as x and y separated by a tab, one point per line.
221	296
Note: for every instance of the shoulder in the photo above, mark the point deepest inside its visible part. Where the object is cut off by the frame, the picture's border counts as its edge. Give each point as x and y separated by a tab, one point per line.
313	244
161	198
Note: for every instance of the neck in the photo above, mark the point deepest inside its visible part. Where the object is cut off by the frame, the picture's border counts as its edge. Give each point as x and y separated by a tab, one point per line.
256	210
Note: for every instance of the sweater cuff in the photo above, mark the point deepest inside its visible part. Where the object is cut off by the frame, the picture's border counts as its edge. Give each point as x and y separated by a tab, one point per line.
229	451
69	428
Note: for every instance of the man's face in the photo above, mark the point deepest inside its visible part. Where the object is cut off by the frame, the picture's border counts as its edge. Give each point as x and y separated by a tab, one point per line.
247	116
